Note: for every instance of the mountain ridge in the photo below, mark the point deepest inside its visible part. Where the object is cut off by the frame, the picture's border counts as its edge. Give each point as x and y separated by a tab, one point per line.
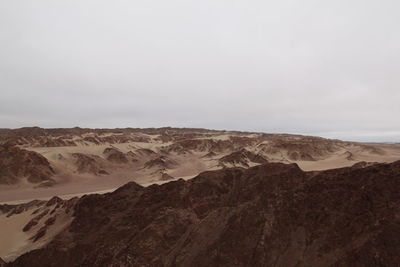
273	214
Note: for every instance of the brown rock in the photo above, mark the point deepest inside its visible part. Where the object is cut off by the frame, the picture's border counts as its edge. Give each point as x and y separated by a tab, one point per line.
35	220
161	162
87	163
166	177
268	215
114	155
17	163
242	158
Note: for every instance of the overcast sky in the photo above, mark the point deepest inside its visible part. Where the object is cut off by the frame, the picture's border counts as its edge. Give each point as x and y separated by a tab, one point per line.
327	68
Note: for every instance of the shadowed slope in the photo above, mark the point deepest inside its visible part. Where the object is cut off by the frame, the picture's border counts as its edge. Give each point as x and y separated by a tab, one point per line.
268	215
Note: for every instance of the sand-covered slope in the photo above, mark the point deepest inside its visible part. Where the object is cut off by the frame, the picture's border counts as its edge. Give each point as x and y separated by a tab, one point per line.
269	215
32	225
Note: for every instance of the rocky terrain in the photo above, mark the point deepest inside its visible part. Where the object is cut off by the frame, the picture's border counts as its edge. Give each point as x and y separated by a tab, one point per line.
17	164
40	163
272	214
243	158
32	225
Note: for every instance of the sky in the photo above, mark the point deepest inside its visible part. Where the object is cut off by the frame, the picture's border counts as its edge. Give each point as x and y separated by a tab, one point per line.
325	68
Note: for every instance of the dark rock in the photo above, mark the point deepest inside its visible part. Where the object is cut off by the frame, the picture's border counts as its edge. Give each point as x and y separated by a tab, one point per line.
242	157
268	215
35	220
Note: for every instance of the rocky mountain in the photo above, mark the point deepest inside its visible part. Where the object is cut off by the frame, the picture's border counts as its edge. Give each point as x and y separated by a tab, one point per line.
272	214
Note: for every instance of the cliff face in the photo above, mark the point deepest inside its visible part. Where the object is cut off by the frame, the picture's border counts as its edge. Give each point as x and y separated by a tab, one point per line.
269	215
17	163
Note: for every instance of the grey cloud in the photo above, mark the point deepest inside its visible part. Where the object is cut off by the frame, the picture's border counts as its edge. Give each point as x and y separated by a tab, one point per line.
311	67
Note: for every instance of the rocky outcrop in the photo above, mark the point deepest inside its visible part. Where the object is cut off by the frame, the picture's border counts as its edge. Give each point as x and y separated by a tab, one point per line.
166	177
91	164
18	209
161	163
348	155
115	156
91	139
17	164
241	158
269	215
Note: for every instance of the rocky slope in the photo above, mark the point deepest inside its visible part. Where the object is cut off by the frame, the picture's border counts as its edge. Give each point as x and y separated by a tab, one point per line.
32	225
116	156
91	164
17	164
241	158
269	215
